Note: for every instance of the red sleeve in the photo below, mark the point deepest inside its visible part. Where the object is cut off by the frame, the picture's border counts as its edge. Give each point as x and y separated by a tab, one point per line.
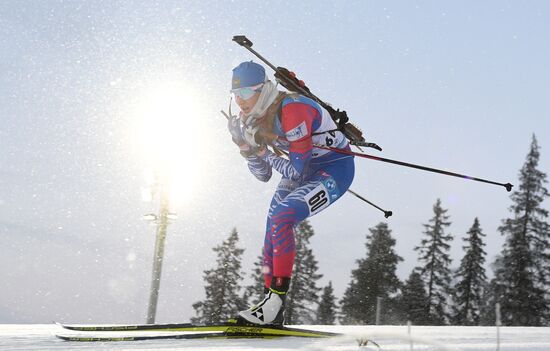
297	121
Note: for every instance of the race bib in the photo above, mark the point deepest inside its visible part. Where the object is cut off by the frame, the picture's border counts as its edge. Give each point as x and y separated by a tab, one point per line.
317	199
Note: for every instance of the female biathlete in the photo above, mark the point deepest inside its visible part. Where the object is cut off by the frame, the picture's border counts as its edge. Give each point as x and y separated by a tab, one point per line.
271	124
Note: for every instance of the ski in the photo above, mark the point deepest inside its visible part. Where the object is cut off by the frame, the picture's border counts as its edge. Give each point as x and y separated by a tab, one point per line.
84	338
227	329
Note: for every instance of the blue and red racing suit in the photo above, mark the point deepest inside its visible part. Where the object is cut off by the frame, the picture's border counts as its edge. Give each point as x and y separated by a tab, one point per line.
312	178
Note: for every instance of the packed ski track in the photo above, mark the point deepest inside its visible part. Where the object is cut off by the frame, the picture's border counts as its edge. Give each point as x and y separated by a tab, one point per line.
42	337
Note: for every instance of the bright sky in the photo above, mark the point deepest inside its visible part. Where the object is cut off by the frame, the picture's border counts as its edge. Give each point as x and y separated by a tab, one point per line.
460	86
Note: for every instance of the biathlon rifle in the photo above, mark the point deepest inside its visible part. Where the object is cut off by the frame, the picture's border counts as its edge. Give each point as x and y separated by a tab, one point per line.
289	80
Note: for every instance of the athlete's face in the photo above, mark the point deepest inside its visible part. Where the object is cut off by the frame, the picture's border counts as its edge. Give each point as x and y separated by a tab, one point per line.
247	105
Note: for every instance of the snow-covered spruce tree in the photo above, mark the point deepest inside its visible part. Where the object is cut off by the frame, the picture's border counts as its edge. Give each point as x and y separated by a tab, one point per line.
223	284
470	278
434	254
375	277
525	271
413	300
327	310
303	293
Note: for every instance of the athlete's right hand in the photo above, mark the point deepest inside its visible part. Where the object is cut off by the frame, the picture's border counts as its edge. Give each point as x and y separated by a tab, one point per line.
234	126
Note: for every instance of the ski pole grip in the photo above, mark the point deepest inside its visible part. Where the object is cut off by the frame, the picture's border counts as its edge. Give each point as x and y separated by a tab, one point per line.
225	114
242	40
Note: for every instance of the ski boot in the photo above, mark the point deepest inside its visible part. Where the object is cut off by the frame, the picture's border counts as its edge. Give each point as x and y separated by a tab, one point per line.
271	310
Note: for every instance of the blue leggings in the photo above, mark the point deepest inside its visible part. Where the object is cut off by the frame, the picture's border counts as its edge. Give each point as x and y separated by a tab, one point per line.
295	201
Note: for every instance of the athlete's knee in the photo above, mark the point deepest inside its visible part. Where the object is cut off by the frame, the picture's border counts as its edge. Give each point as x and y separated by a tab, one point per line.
282	230
283	216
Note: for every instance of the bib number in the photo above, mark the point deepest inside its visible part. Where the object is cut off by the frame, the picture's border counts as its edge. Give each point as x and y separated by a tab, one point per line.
329	140
317	199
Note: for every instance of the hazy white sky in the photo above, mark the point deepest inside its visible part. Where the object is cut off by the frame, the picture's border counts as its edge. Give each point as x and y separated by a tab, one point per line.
459	86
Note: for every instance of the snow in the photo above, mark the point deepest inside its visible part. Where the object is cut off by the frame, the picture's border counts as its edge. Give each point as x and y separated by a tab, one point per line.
42	337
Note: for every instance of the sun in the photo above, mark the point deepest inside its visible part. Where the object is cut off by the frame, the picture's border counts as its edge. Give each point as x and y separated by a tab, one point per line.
167	133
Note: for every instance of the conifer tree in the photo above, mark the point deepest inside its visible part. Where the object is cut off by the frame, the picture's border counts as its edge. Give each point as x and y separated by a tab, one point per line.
525	275
470	278
223	284
326	312
375	277
303	293
413	300
434	253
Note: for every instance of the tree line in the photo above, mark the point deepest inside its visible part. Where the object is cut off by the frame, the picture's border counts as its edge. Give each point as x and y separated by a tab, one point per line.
433	293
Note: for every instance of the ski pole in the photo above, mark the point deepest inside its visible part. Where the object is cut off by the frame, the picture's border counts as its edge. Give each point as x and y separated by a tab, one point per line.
386	213
508	186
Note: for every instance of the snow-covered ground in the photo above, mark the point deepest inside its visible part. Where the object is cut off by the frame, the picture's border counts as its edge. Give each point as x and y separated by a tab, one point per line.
42	337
